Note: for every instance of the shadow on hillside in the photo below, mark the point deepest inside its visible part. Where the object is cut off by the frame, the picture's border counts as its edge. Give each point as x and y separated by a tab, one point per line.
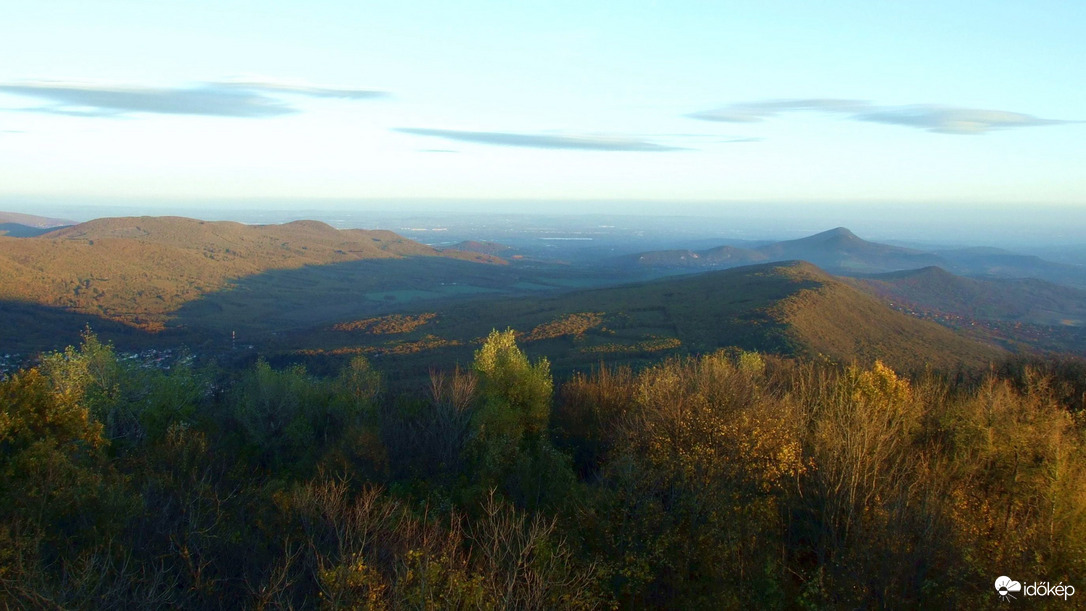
29	328
16	230
261	306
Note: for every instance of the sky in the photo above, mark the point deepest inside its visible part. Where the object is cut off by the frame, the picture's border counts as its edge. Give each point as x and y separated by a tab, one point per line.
861	103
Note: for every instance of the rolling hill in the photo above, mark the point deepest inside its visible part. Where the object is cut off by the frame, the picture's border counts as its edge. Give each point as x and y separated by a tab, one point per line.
139	270
16	225
484	247
1023	314
840	250
999	263
790	308
307	288
837	251
32	220
1021	300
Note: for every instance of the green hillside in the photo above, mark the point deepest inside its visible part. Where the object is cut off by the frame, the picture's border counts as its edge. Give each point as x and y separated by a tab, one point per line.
836	320
790	308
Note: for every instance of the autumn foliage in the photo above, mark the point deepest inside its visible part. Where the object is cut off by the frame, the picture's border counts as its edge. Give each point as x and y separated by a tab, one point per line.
728	480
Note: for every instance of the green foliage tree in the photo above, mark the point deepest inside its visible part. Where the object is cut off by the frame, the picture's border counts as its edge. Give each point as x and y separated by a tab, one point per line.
89	375
516	392
289	420
164	400
359	385
280	414
135	405
512	446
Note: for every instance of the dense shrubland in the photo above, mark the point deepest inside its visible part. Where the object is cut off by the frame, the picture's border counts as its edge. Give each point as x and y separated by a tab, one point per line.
727	480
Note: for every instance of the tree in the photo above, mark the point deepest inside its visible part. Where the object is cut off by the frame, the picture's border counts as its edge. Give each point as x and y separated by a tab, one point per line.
516	392
61	502
283	416
511	446
90	376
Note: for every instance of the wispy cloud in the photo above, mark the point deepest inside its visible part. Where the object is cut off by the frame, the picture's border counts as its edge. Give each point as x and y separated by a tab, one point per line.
950	120
275	86
933	118
250	99
543	141
754	112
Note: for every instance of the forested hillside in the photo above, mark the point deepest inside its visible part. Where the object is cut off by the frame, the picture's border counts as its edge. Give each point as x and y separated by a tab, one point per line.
140	270
791	308
727	480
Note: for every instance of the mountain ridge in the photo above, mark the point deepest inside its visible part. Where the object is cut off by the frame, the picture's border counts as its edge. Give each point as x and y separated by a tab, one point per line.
137	270
840	251
1028	300
32	220
837	250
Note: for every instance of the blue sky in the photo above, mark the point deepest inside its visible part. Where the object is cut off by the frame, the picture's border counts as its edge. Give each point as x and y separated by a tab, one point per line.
797	102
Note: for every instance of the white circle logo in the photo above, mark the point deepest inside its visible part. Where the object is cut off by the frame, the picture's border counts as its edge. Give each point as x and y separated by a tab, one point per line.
1005	585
